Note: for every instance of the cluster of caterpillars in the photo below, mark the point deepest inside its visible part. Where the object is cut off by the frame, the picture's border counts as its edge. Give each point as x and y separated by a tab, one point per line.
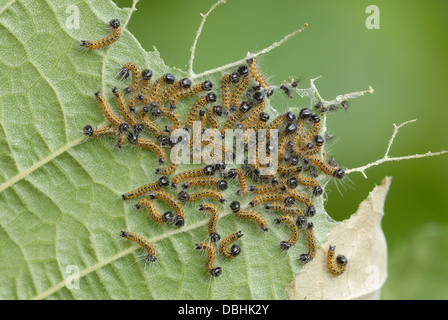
244	93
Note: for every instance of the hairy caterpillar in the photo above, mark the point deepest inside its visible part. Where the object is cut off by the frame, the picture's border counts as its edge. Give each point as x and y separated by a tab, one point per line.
210	260
312	246
234	249
144	243
185	92
179	220
338	265
206	171
113	37
159	184
235	206
214	216
285	245
201	194
131	68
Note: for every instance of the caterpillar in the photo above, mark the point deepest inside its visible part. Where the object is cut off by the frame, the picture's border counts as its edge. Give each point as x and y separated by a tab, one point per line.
263	118
256	74
176	122
144	89
288	169
131	68
148	144
201	194
107	111
146	83
261	189
97	133
109	131
291	127
268	197
281	119
293	160
128	117
304	141
242	85
300	178
162	182
210	97
305	199
235	206
280	206
144	243
318	105
287	117
225	88
326	168
206	171
301	221
152	209
184	83
254	114
121	140
152	127
307	257
338	265
284	142
286	244
317	143
167	78
179	220
185	92
206	181
244	107
211	116
212	231
234	249
286	90
210	260
304	114
113	37
168	170
242	180
254	161
203	117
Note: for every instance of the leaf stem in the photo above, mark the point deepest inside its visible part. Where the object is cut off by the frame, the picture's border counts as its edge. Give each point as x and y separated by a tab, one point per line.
237	63
198	33
386	157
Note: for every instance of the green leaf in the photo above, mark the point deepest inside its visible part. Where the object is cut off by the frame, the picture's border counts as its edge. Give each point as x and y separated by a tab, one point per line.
60	193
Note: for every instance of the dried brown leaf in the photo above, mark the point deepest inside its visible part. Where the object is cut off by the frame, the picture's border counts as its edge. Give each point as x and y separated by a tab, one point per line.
361	239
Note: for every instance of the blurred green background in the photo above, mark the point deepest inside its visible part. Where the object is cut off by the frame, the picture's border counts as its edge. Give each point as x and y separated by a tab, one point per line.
405	61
